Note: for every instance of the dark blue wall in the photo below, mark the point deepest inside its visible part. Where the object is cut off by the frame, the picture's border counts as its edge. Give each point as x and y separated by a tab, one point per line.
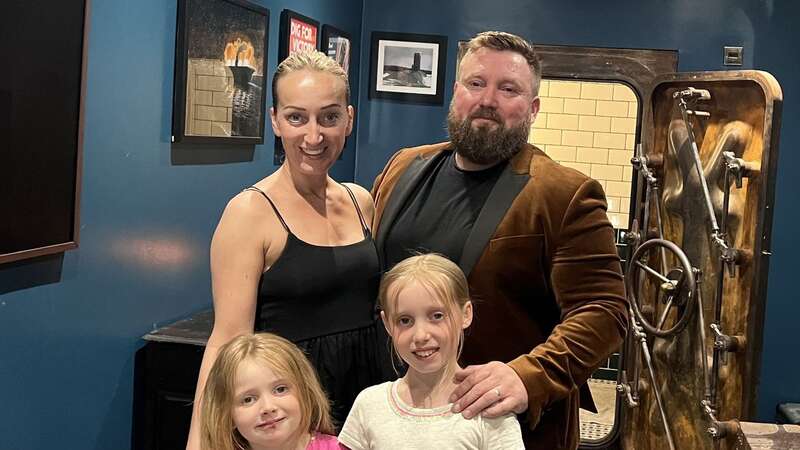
698	30
69	327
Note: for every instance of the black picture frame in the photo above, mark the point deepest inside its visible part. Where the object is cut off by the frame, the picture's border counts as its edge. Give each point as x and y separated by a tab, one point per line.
220	83
338	45
42	121
461	50
286	41
407	67
291	40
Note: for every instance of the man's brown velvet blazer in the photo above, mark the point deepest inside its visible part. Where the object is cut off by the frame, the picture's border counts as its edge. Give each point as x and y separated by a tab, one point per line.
544	276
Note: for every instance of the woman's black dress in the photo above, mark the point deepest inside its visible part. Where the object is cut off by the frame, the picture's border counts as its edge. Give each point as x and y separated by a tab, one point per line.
323	299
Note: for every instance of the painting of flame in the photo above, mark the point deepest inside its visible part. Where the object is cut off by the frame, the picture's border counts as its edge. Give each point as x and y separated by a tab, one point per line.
220	60
217	29
239	53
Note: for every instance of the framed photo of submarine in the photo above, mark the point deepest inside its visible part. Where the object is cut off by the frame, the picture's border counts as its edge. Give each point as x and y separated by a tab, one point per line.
220	72
408	67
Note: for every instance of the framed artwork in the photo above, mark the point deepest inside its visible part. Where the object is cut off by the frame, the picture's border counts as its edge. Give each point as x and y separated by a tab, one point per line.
298	33
220	72
337	44
462	50
408	67
42	100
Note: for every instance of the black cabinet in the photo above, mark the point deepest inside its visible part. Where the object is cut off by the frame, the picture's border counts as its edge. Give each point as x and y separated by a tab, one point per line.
165	374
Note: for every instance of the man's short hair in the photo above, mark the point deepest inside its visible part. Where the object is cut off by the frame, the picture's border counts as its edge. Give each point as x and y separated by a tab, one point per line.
502	41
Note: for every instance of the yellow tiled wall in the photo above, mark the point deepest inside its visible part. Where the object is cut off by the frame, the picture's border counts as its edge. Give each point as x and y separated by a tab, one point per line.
591	127
209	103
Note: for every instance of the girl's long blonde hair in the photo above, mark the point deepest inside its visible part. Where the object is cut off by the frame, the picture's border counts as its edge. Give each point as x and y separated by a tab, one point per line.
286	360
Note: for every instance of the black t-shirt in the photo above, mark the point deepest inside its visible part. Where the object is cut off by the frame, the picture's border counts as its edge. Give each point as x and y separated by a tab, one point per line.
439	216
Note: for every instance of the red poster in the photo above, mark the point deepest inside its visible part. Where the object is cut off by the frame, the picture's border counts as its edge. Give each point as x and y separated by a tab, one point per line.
302	36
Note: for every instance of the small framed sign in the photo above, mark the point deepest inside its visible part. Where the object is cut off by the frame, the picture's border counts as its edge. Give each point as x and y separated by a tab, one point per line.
298	33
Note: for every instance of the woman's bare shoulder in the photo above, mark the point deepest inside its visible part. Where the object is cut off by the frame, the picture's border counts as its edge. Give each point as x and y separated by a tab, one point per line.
247	204
362	195
364	199
252	201
358	190
245	212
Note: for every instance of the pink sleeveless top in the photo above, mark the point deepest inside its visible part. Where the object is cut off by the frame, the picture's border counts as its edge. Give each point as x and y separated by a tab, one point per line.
324	442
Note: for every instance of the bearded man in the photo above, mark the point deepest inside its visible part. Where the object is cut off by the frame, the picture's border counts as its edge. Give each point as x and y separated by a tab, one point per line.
532	237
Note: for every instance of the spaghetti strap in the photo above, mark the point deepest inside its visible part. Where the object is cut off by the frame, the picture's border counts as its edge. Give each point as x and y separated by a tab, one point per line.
274	208
358	210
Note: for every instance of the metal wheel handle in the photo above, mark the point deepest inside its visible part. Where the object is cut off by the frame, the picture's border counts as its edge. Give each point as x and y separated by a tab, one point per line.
677	286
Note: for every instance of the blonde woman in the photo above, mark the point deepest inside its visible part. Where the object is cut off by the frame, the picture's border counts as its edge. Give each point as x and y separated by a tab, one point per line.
293	254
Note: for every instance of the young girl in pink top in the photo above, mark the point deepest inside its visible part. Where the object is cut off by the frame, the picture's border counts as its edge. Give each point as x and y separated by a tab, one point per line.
263	394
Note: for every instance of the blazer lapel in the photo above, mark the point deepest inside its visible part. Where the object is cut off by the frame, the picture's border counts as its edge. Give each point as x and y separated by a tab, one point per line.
416	172
494	209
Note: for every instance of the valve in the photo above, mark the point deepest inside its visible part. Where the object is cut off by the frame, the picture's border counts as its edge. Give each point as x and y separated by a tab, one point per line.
677	286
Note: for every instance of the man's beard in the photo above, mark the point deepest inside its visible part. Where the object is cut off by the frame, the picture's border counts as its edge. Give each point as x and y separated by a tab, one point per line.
484	145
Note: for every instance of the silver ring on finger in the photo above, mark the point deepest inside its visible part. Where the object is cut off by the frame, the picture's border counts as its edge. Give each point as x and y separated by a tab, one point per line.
497	392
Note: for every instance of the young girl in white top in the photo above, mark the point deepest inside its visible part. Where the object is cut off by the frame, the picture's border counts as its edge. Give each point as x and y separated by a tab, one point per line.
263	394
425	307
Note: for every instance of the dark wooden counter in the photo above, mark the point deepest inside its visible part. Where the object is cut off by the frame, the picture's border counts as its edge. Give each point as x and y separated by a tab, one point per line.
165	377
194	330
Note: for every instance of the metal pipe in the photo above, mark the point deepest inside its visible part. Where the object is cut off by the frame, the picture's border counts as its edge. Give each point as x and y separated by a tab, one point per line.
725	199
646	219
646	353
721	269
660	226
707	390
664	314
639	163
637	364
682	105
720	290
644	174
654	273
